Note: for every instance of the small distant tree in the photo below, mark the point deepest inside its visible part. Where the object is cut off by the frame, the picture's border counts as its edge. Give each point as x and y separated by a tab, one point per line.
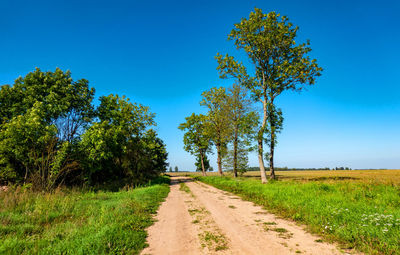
170	169
196	138
176	169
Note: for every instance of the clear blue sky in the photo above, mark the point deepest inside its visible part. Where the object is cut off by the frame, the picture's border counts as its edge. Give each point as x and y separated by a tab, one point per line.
161	54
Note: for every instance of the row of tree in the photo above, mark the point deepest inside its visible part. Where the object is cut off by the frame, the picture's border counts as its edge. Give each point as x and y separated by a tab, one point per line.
302	169
176	169
278	64
51	134
228	125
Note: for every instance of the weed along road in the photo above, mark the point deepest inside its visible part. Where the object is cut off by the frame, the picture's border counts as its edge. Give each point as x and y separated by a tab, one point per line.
199	219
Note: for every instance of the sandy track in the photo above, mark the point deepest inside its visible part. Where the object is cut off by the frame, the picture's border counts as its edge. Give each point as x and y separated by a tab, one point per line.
210	221
173	232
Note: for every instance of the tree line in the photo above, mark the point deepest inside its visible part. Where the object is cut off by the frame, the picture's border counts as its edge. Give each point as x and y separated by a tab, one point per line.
51	134
302	169
278	63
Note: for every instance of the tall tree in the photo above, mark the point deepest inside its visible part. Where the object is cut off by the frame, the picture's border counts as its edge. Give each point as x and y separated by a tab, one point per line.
280	64
196	138
218	121
243	121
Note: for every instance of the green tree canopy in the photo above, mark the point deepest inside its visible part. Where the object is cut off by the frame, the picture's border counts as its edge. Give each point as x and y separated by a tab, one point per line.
50	134
243	120
280	64
120	144
65	102
41	119
199	164
197	139
218	121
242	159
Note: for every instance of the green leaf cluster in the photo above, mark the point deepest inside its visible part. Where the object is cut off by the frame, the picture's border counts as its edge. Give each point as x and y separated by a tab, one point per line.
197	139
51	134
279	64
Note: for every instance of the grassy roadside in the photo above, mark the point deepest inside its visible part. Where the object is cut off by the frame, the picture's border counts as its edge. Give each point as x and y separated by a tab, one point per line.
359	215
78	222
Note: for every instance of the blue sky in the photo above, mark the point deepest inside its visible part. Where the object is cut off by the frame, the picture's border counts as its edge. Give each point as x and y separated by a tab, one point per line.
161	54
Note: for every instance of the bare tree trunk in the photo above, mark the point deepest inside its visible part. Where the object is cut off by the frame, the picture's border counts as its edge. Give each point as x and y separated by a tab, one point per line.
219	159
26	174
235	152
261	161
260	144
202	164
272	120
271	155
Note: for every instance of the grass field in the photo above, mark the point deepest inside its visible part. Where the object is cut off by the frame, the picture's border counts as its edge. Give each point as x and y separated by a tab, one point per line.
78	222
390	177
358	209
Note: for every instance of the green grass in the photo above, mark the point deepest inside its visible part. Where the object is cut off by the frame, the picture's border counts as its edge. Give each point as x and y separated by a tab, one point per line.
361	215
184	187
78	222
214	241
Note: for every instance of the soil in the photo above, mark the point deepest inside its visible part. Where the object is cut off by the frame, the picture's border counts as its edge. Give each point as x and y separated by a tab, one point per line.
206	220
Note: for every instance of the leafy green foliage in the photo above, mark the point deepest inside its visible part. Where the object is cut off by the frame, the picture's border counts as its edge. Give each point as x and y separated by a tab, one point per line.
206	163
218	123
77	222
23	142
118	111
119	146
242	159
50	134
197	138
243	120
280	64
41	119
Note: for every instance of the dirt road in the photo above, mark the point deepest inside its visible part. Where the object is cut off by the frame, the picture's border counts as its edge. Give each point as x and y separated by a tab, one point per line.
199	219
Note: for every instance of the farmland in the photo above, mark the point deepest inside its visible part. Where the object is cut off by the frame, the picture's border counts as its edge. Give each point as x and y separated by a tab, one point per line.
390	177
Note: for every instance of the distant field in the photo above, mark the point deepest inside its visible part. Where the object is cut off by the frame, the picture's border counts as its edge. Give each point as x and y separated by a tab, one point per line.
76	221
391	177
